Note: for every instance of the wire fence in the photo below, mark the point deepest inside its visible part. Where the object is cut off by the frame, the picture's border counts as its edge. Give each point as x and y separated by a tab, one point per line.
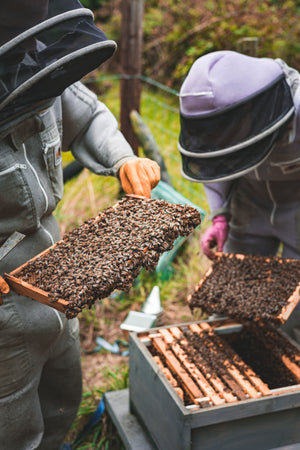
159	110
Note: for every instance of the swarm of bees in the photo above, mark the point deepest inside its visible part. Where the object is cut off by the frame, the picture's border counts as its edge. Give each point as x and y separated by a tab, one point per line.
107	252
249	288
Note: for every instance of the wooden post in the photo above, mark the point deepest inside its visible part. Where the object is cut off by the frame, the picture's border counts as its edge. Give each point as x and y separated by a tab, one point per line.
131	65
248	46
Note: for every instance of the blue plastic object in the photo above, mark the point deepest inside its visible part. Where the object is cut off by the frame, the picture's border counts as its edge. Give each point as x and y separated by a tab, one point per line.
113	348
163	191
87	428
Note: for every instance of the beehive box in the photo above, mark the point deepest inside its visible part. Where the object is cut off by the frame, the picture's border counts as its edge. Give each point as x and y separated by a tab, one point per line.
249	287
105	253
227	396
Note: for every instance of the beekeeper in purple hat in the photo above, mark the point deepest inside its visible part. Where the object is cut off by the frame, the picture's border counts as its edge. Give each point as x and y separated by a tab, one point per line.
240	137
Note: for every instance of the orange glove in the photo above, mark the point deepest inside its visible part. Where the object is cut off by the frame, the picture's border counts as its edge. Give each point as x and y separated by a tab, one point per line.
4	288
139	176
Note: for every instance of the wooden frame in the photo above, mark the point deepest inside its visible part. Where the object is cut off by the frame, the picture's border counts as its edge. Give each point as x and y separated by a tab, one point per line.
291	301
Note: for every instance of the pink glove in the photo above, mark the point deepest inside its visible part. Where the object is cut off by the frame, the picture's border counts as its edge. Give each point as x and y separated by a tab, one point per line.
215	235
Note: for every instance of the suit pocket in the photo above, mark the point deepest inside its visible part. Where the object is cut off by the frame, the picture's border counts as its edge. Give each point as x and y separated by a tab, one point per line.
15	360
17	208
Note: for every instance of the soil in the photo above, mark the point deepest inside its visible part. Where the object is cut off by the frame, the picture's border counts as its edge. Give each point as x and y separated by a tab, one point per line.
107	325
248	288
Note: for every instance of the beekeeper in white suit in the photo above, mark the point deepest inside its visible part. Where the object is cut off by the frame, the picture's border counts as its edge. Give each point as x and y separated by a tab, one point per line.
46	47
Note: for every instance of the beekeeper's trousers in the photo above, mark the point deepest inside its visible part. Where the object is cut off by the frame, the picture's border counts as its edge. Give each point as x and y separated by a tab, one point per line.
40	375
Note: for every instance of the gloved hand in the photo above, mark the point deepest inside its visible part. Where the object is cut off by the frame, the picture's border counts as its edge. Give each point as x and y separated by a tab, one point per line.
4	288
138	176
215	235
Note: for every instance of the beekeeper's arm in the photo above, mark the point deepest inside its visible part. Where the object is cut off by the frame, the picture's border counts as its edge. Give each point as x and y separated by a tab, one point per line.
91	132
218	198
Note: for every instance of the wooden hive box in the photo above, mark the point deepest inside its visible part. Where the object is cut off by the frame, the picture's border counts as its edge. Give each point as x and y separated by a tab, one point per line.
184	403
231	383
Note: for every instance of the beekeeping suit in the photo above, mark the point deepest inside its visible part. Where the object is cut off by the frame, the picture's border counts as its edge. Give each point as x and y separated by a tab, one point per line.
46	47
240	136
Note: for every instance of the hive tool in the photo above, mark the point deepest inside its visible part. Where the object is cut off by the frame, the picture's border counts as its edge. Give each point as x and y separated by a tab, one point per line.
8	245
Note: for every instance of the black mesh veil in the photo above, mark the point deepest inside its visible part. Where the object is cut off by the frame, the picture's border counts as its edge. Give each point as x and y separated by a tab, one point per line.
55	45
230	142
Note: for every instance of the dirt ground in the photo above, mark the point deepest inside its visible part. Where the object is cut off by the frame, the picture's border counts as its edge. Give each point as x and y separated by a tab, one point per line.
95	364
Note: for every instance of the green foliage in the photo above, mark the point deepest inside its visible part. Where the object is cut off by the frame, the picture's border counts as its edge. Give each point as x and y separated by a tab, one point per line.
93	4
89	317
215	25
176	33
103	435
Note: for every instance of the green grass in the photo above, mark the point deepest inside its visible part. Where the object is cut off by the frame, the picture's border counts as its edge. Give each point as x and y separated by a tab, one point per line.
87	195
104	435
